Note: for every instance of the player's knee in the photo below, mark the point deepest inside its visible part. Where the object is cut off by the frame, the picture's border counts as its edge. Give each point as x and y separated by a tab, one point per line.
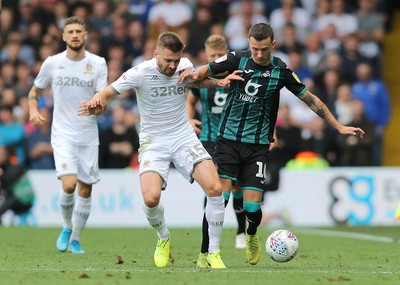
69	187
85	192
151	201
214	190
69	183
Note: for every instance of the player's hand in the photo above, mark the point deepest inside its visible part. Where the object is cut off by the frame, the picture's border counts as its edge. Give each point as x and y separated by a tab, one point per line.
276	144
85	109
94	106
36	118
195	125
233	76
188	74
358	132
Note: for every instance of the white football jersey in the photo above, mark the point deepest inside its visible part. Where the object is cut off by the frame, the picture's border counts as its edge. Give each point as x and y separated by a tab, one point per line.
73	82
161	100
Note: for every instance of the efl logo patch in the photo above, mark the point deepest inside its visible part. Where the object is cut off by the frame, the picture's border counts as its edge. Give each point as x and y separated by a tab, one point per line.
296	77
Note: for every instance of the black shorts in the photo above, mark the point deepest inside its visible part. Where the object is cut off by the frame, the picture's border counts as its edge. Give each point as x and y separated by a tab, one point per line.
242	162
210	148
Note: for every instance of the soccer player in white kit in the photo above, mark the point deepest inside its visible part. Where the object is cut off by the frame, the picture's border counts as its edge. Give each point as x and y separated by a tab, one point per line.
74	75
167	137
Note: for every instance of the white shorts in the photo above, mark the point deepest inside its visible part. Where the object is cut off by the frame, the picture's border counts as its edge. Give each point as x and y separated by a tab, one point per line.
78	160
183	151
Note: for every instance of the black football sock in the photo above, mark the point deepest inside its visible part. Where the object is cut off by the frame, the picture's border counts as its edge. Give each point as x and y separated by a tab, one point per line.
205	237
240	214
254	220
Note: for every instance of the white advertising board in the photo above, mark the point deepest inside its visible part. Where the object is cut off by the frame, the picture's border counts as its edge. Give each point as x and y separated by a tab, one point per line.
356	196
117	200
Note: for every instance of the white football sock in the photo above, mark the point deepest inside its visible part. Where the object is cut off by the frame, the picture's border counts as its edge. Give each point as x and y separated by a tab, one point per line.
66	202
80	217
215	212
155	216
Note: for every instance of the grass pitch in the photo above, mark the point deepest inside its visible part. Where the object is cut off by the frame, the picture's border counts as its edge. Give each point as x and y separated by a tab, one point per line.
340	255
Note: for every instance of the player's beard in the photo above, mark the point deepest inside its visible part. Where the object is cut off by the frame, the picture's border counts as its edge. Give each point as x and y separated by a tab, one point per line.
169	71
76	48
166	71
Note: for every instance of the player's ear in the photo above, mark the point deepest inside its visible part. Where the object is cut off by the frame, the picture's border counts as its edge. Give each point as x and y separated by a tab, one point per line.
155	53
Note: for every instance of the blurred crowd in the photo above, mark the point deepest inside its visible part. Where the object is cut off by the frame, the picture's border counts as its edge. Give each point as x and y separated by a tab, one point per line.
334	47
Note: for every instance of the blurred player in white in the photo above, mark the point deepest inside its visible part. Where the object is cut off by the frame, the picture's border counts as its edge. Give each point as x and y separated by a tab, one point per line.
167	137
74	75
212	102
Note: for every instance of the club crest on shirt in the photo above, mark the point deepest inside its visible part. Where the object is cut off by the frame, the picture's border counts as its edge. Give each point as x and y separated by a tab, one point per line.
89	69
266	74
64	167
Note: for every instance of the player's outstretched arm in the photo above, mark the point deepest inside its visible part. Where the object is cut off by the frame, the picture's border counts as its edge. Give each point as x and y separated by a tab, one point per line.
319	108
97	104
193	75
211	83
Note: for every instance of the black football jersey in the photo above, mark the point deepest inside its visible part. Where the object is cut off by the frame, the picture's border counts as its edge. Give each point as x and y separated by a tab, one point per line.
251	107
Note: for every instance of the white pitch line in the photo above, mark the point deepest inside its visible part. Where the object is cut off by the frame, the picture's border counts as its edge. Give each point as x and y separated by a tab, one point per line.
331	233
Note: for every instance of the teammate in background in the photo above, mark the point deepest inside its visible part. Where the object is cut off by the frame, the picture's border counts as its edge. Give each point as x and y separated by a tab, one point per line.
74	75
249	117
212	102
167	137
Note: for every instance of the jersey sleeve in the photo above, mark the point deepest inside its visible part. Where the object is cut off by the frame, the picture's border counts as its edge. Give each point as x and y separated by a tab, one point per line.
128	80
293	83
43	79
185	64
102	76
228	62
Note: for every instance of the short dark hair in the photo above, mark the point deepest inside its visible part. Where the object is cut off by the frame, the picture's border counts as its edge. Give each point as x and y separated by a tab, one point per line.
171	41
74	20
261	31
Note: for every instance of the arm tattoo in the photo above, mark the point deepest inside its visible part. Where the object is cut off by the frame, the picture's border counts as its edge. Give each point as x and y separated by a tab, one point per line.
319	108
33	97
315	104
205	83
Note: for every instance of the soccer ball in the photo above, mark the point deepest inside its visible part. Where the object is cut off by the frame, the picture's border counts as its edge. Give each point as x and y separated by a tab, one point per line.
282	246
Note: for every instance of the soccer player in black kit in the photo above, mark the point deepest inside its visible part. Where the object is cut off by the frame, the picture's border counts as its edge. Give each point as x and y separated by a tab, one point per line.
248	120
